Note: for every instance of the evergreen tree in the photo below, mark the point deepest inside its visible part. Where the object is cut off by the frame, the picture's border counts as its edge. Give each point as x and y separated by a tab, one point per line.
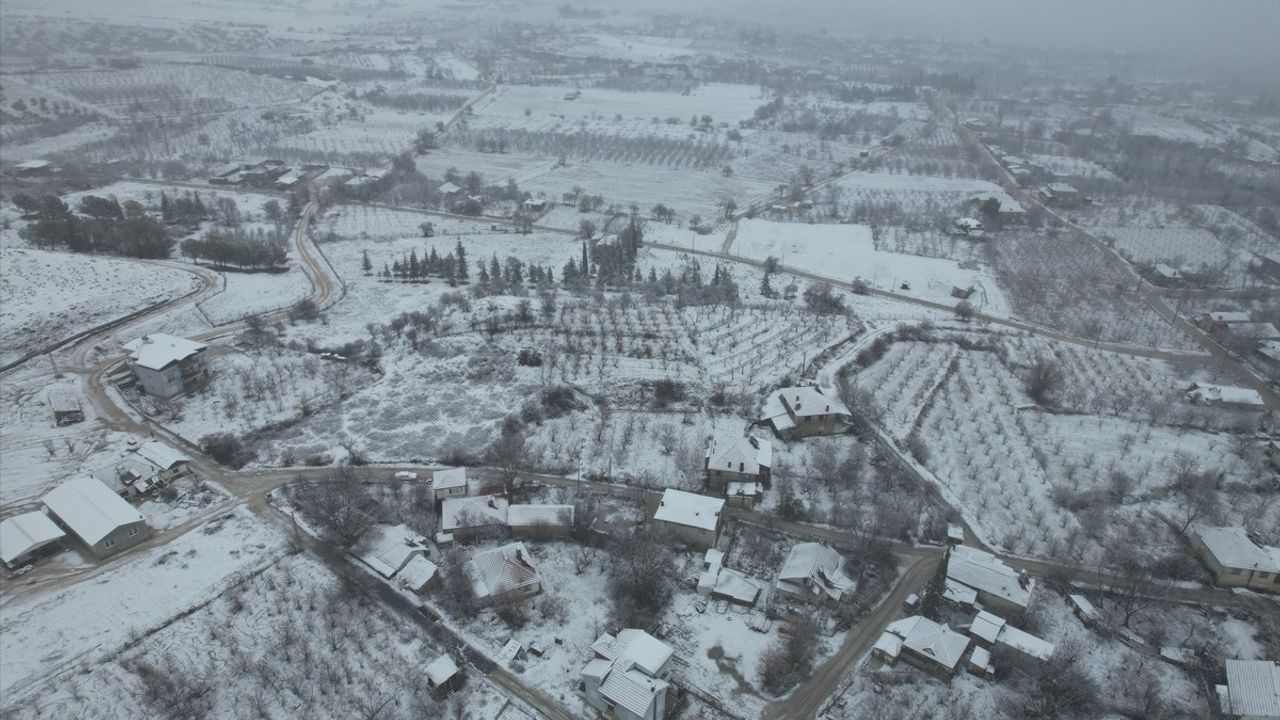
461	253
586	267
166	209
414	270
365	264
495	269
931	599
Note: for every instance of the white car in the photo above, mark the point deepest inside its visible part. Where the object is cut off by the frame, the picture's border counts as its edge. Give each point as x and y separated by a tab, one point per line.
406	475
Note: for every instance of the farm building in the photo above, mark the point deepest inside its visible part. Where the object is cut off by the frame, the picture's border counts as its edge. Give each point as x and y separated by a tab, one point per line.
737	458
450	191
1166	275
743	495
504	573
627	676
449	483
103	520
473	517
1008	209
990	630
389	548
1252	691
23	537
1254	331
534	205
1235	559
540	521
805	411
968	225
922	643
443	676
166	366
692	519
1226	395
66	406
1061	194
418	575
1218	321
814	572
33	168
724	583
994	584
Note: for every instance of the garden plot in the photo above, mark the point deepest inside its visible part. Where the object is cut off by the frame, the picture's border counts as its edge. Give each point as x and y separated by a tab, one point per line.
957	188
244	294
35	454
507	106
932	243
47	296
846	252
495	168
53	634
1073	167
905	379
171	89
377	132
312	646
1179	246
631	47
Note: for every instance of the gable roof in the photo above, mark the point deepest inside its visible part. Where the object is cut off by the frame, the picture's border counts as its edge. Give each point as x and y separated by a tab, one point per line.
739	454
502	570
688	509
928	639
387	548
159	454
90	509
818	564
988	574
417	573
158	351
1232	548
539	515
632	689
441	670
472	512
628	665
811	401
1253	688
26	533
450	478
987	626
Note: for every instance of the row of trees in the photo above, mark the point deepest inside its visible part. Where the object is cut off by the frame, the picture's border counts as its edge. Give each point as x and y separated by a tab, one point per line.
257	249
105	226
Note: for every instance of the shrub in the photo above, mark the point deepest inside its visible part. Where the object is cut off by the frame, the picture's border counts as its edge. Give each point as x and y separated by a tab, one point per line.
226	449
529	358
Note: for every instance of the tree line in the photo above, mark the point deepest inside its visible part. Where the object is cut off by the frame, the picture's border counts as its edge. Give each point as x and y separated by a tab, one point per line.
256	249
104	225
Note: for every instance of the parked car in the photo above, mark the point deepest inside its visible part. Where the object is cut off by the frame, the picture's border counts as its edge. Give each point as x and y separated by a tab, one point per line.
406	475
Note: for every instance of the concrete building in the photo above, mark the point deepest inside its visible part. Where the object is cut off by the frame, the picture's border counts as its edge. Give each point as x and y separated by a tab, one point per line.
805	411
1235	559
24	537
692	519
166	366
628	676
814	572
1252	691
103	520
737	458
449	483
504	573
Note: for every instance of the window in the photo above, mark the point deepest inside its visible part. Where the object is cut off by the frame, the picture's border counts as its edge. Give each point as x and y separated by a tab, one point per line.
1235	571
133	531
108	544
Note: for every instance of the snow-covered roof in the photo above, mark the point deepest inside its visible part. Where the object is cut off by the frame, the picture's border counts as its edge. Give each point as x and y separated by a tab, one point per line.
26	533
1232	548
1061	187
1007	204
1167	271
597	668
1084	606
811	400
713	557
159	454
959	594
441	669
64	399
739	454
417	573
449	189
889	644
1253	688
157	351
980	658
1226	316
1205	392
986	573
472	512
987	626
33	165
733	584
1025	642
683	508
814	564
743	489
635	648
502	570
535	515
386	548
968	223
450	478
928	639
1255	330
1270	349
90	509
632	689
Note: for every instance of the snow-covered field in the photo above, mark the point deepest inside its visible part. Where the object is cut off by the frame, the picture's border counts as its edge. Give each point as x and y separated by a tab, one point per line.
847	252
244	294
46	296
547	105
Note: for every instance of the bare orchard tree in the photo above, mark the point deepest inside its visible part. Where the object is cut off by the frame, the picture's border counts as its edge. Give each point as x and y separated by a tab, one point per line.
508	453
456	592
640	578
1059	688
342	507
785	663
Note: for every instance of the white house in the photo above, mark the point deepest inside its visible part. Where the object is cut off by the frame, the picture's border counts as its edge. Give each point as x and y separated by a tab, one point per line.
804	411
1235	559
448	483
1252	691
166	365
737	458
995	585
469	517
103	520
814	572
627	678
504	573
389	548
692	519
925	644
23	536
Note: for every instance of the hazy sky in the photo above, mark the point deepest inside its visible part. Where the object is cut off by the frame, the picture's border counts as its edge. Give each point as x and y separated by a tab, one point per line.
1232	31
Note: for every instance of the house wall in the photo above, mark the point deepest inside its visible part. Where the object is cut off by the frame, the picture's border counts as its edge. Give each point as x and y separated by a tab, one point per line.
121	539
717	479
520	593
540	531
696	537
740	501
814	426
477	531
1229	577
443	493
915	660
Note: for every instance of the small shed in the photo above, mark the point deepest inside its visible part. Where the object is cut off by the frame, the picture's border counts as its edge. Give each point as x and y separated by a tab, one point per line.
66	406
419	575
443	676
22	537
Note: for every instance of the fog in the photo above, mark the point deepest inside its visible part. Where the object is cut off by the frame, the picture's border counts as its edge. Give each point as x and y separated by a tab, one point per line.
1242	33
